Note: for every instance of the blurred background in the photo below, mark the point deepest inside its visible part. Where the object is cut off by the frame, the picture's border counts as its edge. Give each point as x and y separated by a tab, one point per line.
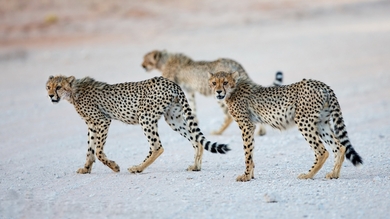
25	22
38	22
256	33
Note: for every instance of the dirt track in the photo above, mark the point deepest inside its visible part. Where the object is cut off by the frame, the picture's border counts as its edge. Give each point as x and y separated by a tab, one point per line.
343	44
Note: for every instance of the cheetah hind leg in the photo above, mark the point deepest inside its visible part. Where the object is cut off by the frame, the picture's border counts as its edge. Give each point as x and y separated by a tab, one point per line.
155	147
175	120
153	155
198	159
192	103
319	161
321	154
339	159
328	137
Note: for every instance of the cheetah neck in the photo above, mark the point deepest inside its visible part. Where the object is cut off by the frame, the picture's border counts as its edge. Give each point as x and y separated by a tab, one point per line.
83	84
244	87
161	64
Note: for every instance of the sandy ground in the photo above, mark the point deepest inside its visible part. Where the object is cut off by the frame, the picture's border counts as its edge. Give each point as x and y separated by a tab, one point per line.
342	43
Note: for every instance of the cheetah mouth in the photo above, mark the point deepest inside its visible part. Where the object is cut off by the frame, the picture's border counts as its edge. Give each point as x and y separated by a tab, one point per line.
55	101
220	97
147	69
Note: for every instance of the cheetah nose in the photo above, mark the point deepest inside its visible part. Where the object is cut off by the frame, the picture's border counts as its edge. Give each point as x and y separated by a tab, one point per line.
51	95
219	91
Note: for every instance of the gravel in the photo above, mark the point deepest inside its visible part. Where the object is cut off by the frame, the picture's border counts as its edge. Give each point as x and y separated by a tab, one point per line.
42	145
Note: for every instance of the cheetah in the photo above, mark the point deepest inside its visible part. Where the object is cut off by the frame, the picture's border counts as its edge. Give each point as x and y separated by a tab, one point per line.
143	103
192	77
308	104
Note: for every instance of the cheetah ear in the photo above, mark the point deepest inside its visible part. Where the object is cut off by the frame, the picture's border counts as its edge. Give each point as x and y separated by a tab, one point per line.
235	75
71	79
210	74
157	55
51	77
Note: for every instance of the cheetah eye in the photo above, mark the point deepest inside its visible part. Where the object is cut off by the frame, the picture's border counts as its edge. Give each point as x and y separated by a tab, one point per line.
214	83
58	87
225	83
48	87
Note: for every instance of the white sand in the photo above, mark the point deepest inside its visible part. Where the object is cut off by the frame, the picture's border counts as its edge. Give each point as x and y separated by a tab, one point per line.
42	145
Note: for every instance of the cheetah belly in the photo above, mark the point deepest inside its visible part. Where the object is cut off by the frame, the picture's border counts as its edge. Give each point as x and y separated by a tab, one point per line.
255	117
129	117
123	113
284	118
281	119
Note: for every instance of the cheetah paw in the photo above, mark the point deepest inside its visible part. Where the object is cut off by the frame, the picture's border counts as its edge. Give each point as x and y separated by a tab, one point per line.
113	166
262	131
193	168
331	175
135	169
243	178
216	133
116	169
305	176
83	170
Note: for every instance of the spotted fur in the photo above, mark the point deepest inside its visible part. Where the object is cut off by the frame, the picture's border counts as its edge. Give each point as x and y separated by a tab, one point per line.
192	77
311	105
143	103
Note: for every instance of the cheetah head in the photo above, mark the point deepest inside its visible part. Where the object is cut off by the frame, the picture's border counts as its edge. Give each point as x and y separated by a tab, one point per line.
223	83
59	87
150	60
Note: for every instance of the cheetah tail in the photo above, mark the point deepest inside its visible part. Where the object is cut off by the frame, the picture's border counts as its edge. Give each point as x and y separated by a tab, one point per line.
341	131
278	79
193	128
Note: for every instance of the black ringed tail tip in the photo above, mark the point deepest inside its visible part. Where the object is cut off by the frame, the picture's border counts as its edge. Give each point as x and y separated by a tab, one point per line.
218	148
353	156
223	149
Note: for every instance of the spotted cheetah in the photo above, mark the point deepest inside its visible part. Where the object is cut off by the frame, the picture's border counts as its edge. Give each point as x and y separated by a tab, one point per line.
192	77
143	103
308	104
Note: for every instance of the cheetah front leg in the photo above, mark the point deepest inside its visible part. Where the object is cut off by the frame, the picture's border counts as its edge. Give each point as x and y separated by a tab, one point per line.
151	133
228	119
102	130
91	151
96	139
247	132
